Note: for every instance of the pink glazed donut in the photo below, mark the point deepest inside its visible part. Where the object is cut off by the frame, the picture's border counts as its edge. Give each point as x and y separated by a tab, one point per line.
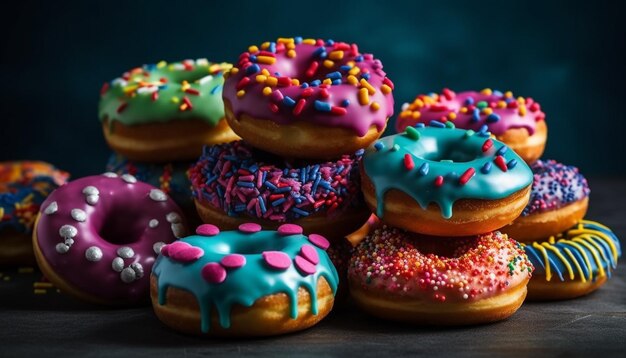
307	98
97	237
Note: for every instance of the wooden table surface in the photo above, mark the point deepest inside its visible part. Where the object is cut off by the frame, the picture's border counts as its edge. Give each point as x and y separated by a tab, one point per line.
52	324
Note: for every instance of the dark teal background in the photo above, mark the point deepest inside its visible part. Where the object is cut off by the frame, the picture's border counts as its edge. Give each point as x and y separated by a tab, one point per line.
568	56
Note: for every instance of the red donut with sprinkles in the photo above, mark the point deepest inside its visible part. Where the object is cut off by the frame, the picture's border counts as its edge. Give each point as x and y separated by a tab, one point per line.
402	276
308	98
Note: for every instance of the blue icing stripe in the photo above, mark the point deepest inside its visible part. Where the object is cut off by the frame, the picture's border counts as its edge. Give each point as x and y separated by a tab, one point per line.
20	202
446	150
594	248
246	284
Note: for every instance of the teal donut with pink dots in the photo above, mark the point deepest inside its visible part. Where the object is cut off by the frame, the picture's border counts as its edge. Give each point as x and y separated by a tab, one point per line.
441	164
224	269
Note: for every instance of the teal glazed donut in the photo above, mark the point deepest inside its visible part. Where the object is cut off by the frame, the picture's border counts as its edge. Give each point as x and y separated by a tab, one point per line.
441	165
581	259
229	273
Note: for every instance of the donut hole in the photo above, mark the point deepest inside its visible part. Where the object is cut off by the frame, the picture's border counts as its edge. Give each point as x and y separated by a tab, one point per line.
440	150
122	227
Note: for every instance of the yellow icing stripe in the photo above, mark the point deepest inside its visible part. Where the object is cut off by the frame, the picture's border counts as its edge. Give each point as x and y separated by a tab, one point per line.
594	252
582	252
604	237
589	222
581	274
590	239
545	259
561	257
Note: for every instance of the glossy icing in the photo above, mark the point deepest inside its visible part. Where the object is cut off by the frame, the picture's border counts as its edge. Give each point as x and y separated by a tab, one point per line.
471	110
585	252
267	262
244	181
162	92
442	165
171	178
102	233
406	264
554	186
23	187
321	82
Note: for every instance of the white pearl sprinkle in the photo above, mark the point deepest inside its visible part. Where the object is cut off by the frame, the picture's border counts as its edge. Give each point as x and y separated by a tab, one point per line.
157	247
117	264
93	254
128	275
129	178
52	208
125	252
465	296
153	223
62	248
110	175
405	106
78	215
138	269
68	231
92	199
179	230
157	195
173	218
69	242
91	190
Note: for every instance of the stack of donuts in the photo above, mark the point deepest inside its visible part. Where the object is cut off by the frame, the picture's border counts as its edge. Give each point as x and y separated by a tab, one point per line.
157	117
305	109
571	256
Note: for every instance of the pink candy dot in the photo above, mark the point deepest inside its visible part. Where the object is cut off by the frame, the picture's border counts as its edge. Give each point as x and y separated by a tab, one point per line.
304	265
289	229
207	230
250	228
319	241
309	253
277	259
233	261
182	251
213	273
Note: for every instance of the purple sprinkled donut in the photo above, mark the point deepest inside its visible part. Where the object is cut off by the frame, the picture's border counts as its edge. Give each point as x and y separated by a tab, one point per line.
554	186
98	237
244	182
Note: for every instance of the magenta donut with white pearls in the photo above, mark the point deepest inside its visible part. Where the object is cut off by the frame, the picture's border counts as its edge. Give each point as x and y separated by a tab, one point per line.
97	237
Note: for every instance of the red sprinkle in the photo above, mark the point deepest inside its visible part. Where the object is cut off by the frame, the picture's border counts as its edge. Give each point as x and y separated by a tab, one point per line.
243	83
122	107
487	145
104	88
448	94
273	107
187	102
438	108
324	93
469	174
388	82
501	163
307	92
299	106
408	162
192	91
284	81
438	181
155	95
340	111
312	68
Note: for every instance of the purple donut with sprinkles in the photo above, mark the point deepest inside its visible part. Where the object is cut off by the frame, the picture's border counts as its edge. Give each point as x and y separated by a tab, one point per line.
309	98
559	198
234	183
96	238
